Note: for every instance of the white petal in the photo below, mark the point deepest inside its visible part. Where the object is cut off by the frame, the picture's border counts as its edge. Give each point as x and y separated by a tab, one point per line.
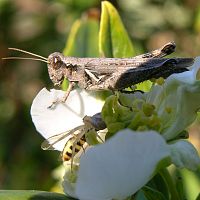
69	185
120	166
63	117
184	154
181	94
188	76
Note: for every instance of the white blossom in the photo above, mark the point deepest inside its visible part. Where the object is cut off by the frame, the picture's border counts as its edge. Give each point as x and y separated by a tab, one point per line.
64	116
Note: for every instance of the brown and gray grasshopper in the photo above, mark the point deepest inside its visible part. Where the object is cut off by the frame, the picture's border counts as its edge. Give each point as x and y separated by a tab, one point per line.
111	73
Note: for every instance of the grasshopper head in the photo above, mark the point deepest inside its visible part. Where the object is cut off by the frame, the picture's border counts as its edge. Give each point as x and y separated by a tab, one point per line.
56	67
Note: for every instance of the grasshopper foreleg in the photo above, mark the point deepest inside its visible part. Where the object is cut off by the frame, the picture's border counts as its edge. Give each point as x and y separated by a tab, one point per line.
64	98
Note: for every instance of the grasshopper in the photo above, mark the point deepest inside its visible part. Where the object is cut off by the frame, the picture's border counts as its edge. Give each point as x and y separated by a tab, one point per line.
110	73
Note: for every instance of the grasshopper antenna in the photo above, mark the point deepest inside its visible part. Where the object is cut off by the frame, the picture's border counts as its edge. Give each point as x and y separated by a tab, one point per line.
38	57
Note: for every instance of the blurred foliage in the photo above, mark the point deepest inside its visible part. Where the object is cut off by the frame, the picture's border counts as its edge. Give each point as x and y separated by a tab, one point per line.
113	38
82	37
31	195
42	26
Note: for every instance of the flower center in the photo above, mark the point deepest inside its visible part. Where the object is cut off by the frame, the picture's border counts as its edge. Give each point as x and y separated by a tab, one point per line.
145	117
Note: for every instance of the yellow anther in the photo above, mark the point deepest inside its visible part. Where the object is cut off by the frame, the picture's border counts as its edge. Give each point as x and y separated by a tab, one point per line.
198	75
168	109
148	109
142	128
154	122
153	80
160	81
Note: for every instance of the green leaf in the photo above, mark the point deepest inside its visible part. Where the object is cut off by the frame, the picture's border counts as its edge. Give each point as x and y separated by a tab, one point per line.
31	195
198	197
166	176
191	183
180	187
65	84
197	21
144	86
140	196
158	183
113	38
83	39
152	194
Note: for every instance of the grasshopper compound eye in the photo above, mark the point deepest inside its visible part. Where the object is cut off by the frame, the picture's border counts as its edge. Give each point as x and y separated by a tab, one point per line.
56	60
55	67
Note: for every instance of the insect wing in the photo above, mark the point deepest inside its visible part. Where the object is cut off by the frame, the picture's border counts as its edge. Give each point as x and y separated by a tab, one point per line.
49	143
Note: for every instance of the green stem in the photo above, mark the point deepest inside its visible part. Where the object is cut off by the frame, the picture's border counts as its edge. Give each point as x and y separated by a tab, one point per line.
170	184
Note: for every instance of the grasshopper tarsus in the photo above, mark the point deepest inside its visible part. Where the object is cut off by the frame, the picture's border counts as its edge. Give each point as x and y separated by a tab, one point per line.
52	106
56	102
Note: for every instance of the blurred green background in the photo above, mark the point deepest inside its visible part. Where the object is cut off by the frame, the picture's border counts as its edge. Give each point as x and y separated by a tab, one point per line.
42	27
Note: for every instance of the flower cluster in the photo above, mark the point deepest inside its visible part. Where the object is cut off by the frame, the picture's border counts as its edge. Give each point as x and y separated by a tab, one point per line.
145	132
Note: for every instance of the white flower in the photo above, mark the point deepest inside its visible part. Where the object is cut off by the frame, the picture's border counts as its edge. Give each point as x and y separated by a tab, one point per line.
129	159
169	108
184	154
181	95
120	166
65	116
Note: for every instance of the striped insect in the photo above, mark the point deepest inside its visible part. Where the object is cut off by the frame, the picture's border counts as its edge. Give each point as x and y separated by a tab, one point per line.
76	138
